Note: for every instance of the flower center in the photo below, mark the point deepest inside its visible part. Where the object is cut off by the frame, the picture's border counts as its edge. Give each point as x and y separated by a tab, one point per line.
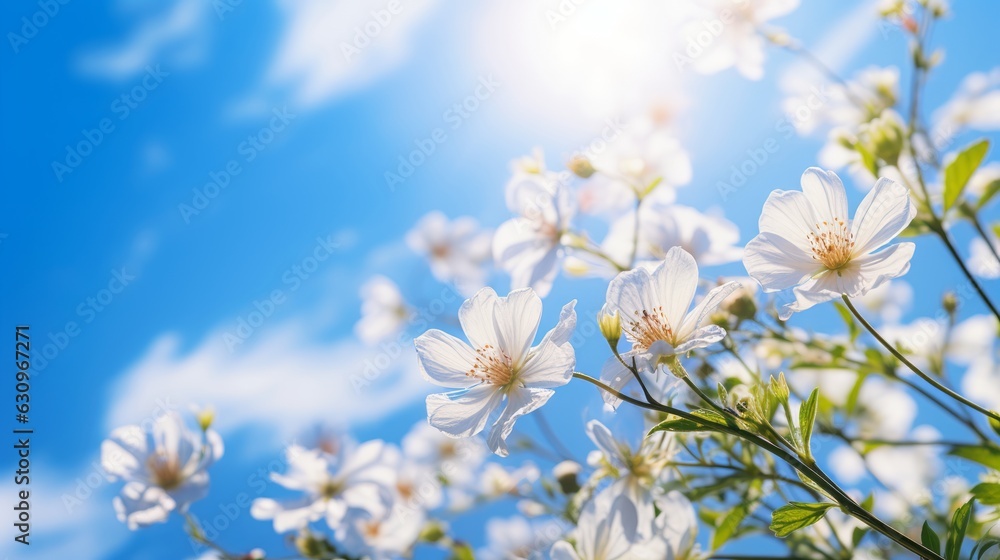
832	243
493	366
440	251
165	470
330	489
648	328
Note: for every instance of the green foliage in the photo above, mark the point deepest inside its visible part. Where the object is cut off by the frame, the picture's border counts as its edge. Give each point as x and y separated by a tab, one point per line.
807	418
987	493
797	515
960	170
986	456
929	539
685	425
730	525
956	535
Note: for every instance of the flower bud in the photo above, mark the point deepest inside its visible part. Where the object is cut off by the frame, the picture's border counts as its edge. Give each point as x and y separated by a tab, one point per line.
310	546
740	399
780	389
949	301
432	532
995	424
883	137
611	327
205	418
566	474
581	166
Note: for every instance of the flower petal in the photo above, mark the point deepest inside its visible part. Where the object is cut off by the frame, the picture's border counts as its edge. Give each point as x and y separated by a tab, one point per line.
878	268
885	211
705	307
520	401
826	194
777	263
702	337
516	321
463	415
548	366
563	330
676	281
790	215
476	318
444	359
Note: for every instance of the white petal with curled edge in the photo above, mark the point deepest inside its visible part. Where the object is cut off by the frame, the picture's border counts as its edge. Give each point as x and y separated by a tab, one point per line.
789	215
463	415
520	401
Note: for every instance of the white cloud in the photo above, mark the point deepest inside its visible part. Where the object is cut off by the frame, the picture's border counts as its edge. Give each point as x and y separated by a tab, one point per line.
328	48
280	381
175	37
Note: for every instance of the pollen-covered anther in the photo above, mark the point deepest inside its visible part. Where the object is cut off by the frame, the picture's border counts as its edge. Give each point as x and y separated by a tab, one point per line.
649	327
492	366
832	243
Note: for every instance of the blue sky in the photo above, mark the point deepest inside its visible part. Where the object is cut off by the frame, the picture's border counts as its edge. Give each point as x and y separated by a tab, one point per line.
199	88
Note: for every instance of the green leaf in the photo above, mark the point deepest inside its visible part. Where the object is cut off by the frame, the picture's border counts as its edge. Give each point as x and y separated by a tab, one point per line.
989	192
852	397
807	416
986	456
685	425
958	172
461	551
987	493
729	525
796	515
956	536
929	539
983	546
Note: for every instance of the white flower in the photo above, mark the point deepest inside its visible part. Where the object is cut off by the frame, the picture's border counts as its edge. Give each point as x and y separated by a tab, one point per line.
496	481
605	530
811	251
456	459
634	469
350	485
383	310
643	153
983	178
674	530
164	468
383	537
655	316
457	250
528	247
733	31
710	239
516	538
498	368
861	99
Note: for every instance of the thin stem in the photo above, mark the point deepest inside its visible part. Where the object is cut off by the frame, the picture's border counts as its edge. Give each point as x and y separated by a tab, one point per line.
934	382
550	436
811	471
986	237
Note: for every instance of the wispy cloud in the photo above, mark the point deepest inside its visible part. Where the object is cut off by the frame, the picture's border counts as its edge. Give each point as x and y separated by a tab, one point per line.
328	48
280	380
179	33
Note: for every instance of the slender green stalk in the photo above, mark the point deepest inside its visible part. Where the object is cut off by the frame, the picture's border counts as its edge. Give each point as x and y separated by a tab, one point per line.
810	471
899	356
